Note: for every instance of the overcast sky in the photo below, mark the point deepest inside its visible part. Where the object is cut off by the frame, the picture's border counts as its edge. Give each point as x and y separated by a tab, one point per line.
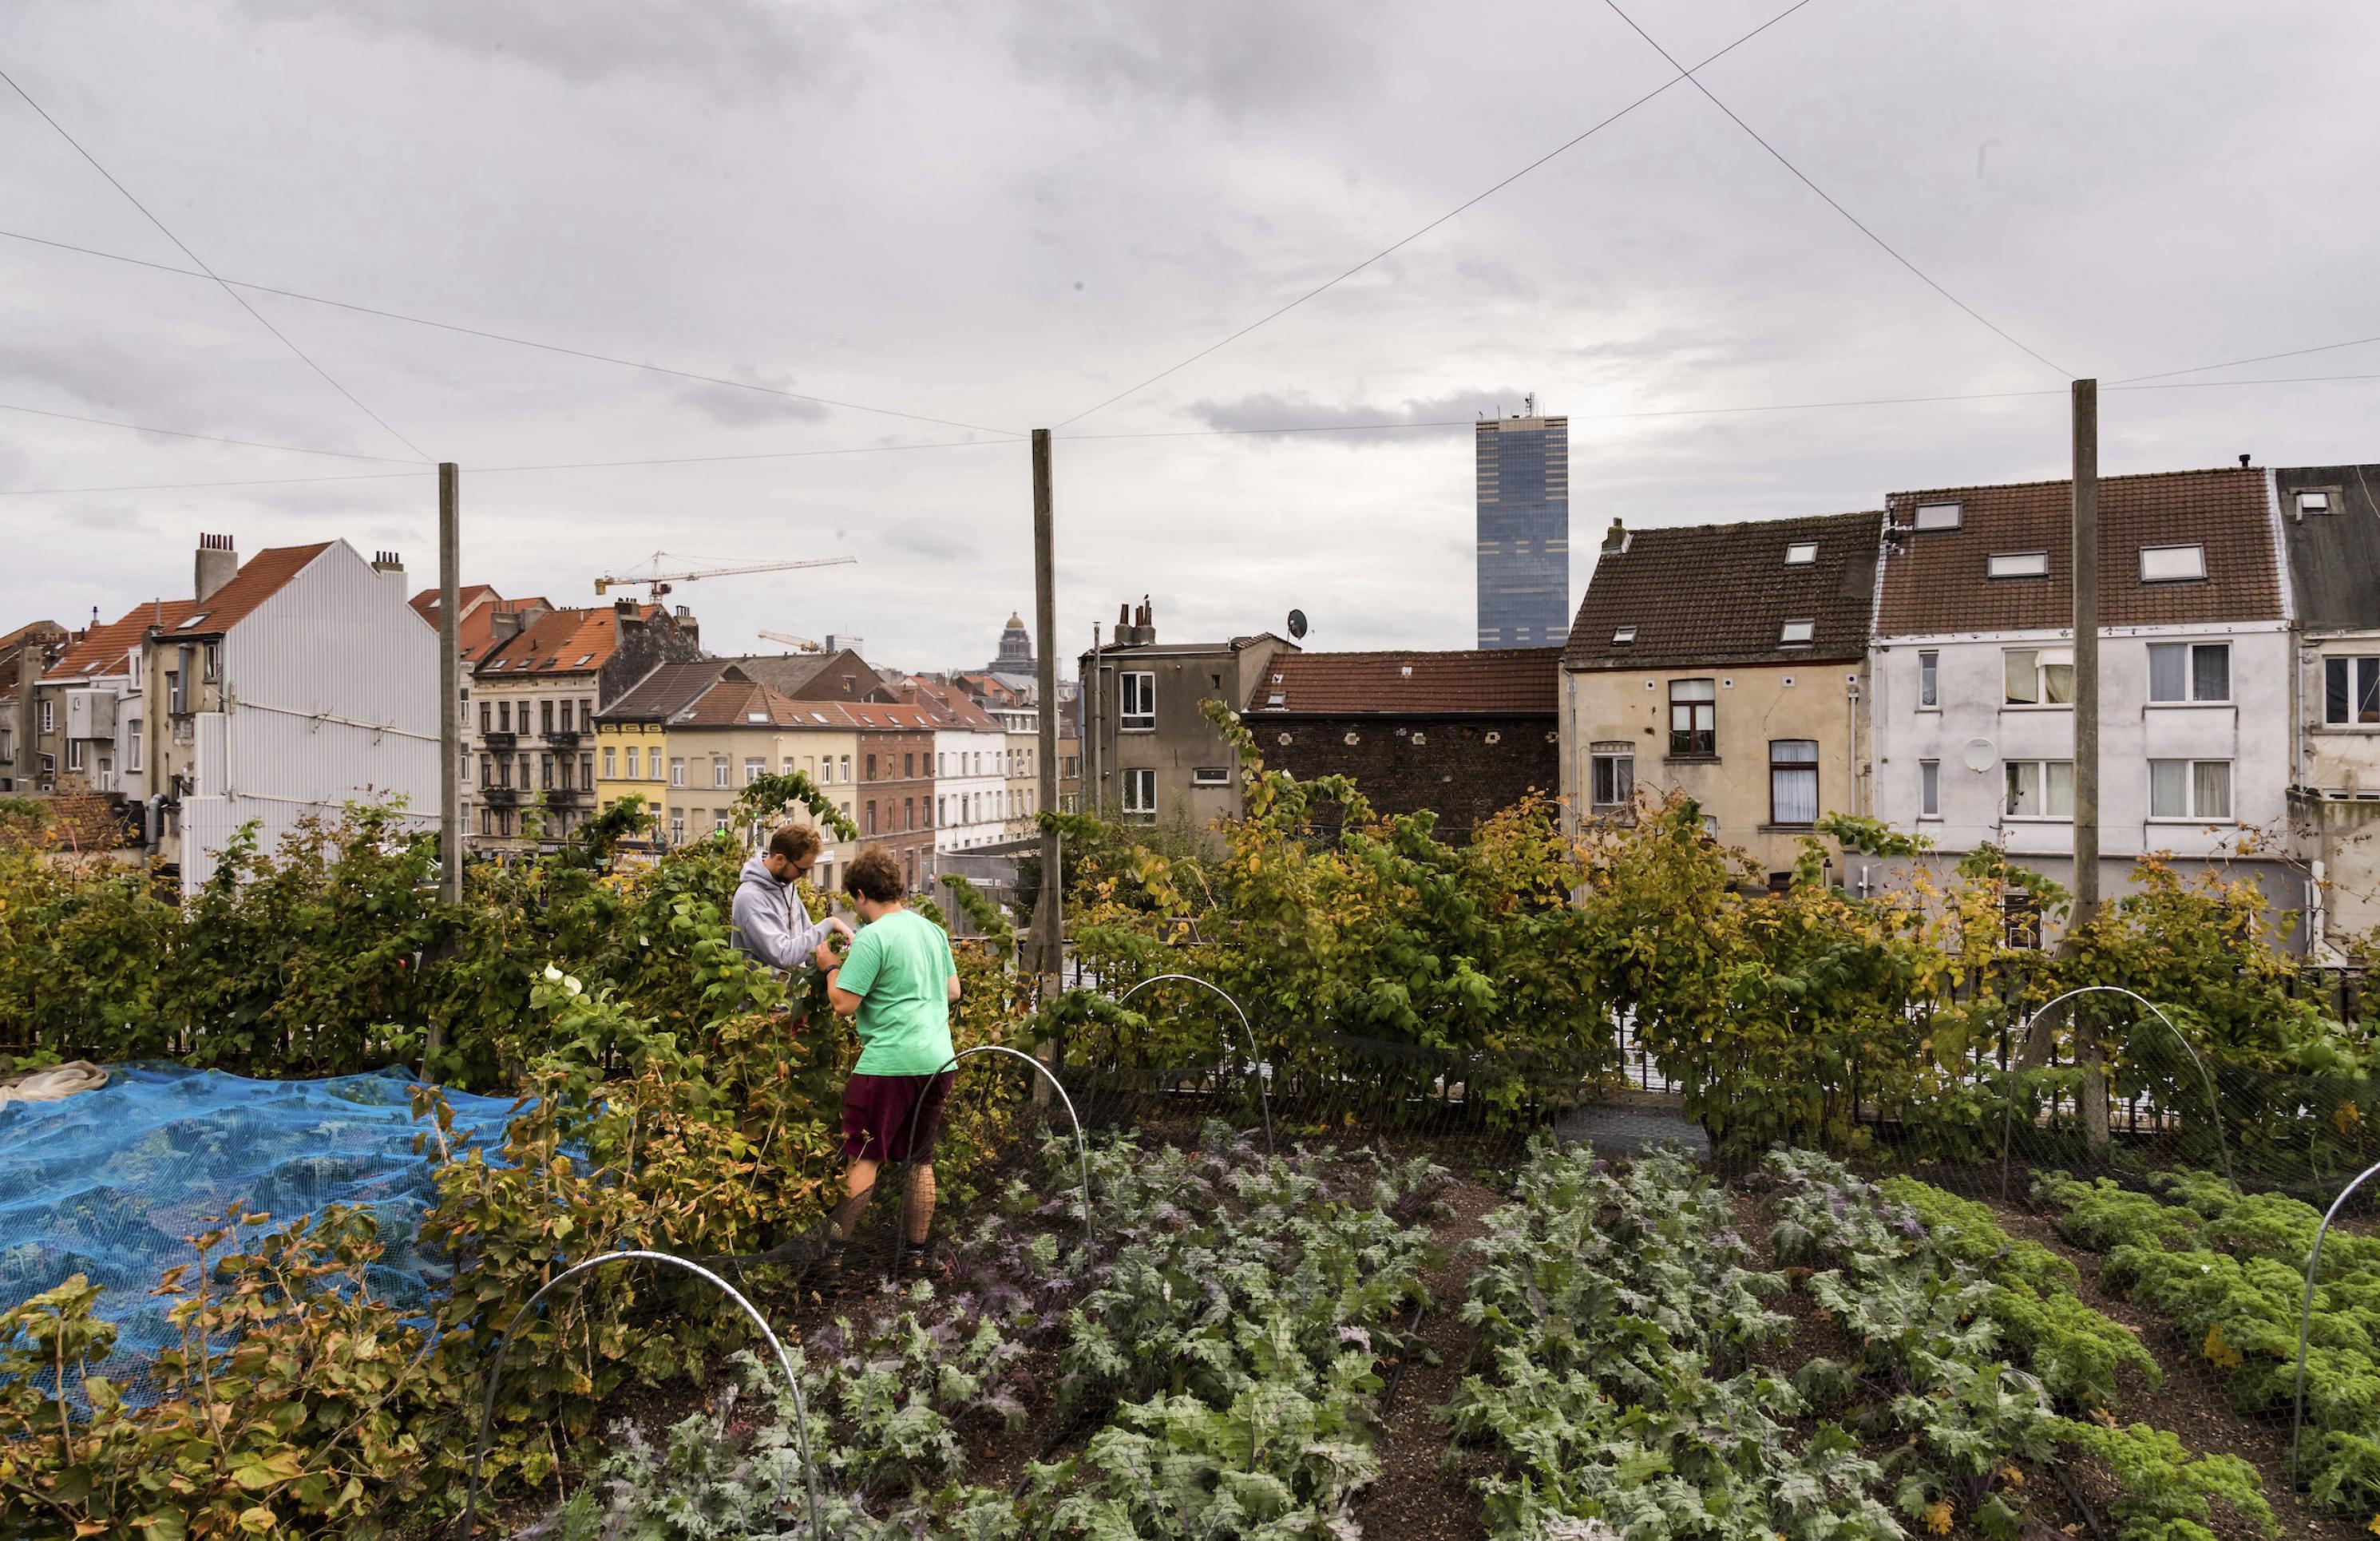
1001	215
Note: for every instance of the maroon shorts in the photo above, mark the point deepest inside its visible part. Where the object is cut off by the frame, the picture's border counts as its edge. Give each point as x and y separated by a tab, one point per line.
877	1111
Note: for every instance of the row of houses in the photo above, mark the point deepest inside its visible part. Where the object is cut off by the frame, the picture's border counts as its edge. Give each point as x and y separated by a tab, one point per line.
305	677
1913	663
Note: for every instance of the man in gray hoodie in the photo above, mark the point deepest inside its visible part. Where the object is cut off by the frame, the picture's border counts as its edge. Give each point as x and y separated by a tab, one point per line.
768	922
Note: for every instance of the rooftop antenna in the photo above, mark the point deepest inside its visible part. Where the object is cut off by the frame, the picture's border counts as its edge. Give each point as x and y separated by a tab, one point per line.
1529	404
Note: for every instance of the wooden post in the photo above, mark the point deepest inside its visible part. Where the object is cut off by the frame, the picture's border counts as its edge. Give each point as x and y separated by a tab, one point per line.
2087	1050
450	686
1048	921
449	722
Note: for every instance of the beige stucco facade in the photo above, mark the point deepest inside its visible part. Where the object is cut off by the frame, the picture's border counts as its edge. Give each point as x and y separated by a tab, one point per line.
1762	723
708	766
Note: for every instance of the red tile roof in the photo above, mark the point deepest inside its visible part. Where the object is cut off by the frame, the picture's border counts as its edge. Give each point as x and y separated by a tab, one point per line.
259	579
1935	581
560	642
1723	593
734	700
951	707
106	650
1490	681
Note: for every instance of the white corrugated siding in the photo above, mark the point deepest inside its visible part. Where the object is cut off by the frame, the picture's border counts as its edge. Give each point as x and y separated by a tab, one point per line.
333	686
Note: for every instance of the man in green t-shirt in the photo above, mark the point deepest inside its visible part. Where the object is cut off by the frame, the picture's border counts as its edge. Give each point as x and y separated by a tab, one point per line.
898	983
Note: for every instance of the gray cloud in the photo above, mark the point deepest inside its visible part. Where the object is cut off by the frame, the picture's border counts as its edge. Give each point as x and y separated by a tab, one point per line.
1275	410
735	408
1237	56
743	45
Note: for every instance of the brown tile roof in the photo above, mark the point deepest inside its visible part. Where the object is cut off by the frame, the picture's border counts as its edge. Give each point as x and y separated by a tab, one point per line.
560	642
667	690
1499	681
1714	593
951	707
104	651
32	628
1935	583
734	700
259	579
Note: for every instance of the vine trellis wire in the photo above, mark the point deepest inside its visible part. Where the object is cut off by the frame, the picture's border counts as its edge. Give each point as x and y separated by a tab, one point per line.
2305	1314
2213	1103
1255	1059
1082	1147
784	1366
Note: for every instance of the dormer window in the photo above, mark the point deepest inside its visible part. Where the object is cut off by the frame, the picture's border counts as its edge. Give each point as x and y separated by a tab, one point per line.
1623	636
2016	565
2173	563
1797	633
2313	502
1801	553
194	620
1938	515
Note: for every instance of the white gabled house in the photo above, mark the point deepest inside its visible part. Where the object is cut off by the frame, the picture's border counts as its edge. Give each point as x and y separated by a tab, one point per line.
1971	664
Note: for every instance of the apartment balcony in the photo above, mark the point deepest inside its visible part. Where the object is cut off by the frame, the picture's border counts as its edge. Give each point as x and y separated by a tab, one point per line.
562	738
499	739
566	797
500	796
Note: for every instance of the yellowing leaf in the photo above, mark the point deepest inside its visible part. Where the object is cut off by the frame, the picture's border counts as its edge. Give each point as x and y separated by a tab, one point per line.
2222	1356
1937	1516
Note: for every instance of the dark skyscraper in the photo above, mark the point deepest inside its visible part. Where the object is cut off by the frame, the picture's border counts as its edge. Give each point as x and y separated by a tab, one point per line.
1523	531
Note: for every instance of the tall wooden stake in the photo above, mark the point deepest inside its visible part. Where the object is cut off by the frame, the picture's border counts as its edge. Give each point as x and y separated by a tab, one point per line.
2086	732
1048	922
450	714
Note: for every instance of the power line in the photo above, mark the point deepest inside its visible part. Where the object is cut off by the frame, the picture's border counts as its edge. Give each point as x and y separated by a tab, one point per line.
237	298
1177	434
1838	208
502	337
490	470
210	438
1441	219
2235	363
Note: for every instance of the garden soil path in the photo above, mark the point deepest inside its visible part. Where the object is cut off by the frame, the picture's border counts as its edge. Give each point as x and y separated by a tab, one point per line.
1416	1497
2189	1403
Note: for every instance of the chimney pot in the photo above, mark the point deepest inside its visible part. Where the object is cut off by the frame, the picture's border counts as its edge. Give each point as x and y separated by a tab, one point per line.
2243	462
215	564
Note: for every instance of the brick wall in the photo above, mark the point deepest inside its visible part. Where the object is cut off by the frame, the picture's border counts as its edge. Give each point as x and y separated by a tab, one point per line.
903	791
1462	769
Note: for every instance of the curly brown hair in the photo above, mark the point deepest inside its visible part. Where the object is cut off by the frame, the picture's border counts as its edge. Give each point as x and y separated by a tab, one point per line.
873	875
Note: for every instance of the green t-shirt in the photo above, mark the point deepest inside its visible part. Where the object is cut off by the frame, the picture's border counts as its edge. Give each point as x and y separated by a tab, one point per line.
900	967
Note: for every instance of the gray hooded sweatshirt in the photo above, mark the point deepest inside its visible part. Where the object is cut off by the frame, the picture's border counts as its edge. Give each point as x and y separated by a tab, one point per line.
768	922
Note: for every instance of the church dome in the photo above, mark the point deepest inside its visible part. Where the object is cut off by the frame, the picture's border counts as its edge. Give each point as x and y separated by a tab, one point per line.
1016	649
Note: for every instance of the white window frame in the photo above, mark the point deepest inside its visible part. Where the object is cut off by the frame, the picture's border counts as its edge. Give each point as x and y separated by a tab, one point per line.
1930	517
2196	560
2363	680
718	770
2041	779
611	762
2046	656
1611	762
1929	680
133	764
1135	702
74	754
2190	696
2012	567
1140	793
677	771
1929	789
1622	637
1798	632
1212	775
2196	813
48	715
1801	553
754	770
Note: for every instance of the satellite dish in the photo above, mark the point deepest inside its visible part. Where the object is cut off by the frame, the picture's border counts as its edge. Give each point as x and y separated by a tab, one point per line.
1296	623
1979	755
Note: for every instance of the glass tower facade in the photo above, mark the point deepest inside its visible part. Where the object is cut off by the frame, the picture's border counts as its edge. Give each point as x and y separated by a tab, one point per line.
1523	471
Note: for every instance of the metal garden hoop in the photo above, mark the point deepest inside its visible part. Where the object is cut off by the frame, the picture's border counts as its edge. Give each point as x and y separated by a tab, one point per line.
1255	1060
784	1365
2214	1105
2305	1317
1082	1148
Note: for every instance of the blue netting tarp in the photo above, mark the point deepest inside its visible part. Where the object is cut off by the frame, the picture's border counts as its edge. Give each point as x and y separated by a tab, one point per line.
111	1184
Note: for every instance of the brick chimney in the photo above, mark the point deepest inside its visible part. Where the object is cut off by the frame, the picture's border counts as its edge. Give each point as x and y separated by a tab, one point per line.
217	565
1615	541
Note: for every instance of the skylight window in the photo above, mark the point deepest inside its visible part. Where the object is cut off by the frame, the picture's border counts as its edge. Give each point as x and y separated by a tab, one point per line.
583	659
756	717
1278	697
2016	565
194	620
1797	633
2173	563
1801	553
1623	636
2313	502
1938	515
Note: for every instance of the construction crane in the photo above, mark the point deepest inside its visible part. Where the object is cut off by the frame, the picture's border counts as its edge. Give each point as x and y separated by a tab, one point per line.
660	582
799	644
